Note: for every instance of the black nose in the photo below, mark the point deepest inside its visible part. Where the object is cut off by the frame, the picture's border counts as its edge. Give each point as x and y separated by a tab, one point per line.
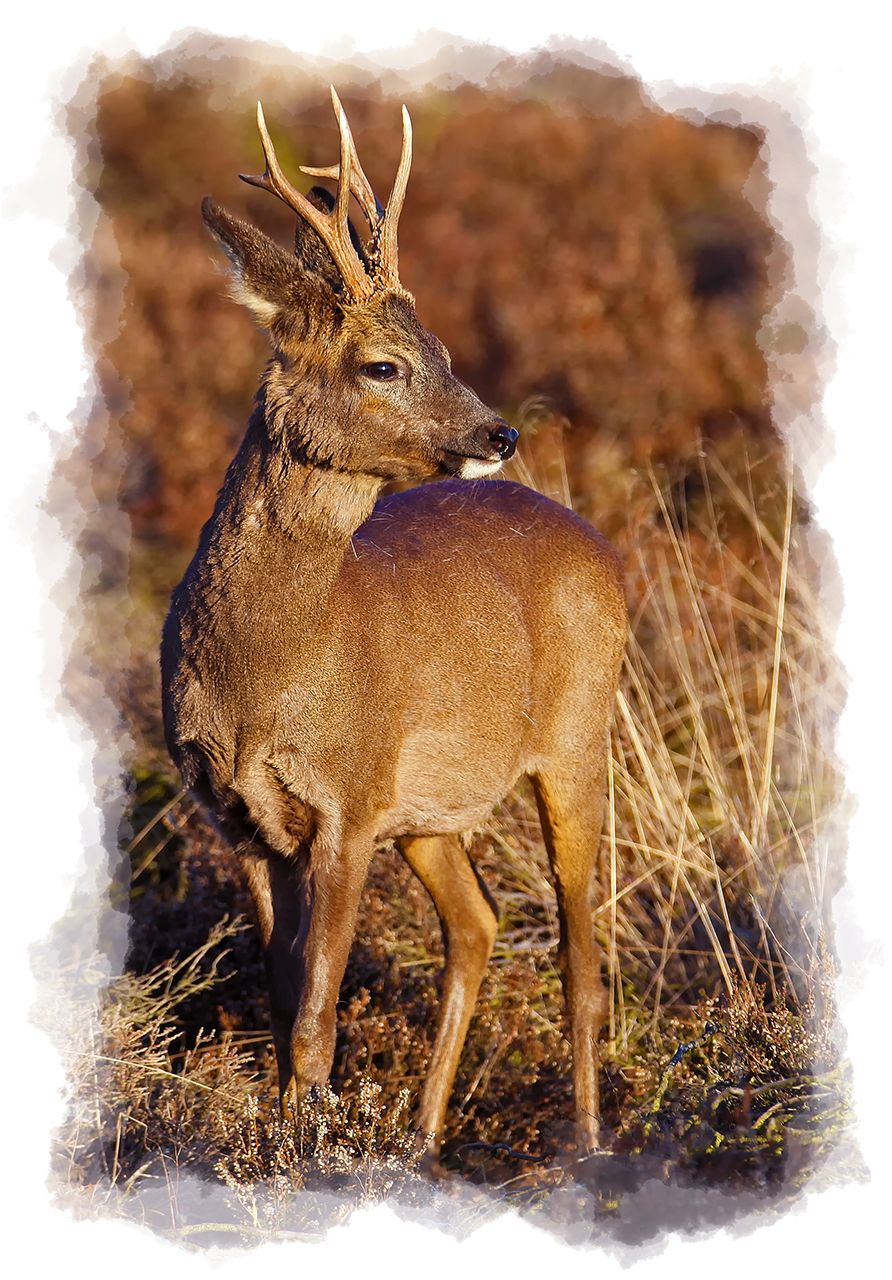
505	440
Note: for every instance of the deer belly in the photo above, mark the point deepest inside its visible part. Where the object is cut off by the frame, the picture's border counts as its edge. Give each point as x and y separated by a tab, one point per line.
447	783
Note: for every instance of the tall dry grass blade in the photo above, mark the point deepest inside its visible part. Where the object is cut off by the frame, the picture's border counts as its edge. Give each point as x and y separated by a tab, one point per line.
612	966
761	825
695	599
155	819
676	871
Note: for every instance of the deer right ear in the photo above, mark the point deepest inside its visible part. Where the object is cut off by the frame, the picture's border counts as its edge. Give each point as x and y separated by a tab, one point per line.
265	278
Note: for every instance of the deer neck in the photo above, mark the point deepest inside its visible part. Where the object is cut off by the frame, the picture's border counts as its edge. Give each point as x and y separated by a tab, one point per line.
281	529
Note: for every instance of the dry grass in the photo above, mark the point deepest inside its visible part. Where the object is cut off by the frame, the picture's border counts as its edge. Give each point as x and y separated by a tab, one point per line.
717	859
141	1095
721	780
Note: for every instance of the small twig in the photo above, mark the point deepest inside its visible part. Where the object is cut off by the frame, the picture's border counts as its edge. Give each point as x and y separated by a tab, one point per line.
709	1030
157	1071
509	1151
735	1091
766	1115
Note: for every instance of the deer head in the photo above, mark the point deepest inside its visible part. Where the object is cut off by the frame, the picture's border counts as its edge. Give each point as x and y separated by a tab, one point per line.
356	383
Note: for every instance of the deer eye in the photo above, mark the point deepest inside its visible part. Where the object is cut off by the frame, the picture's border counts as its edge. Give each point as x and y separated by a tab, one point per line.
381	371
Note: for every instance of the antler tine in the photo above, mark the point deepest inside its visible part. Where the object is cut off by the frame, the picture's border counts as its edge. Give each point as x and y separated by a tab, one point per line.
388	243
332	228
359	183
274	180
348	151
368	201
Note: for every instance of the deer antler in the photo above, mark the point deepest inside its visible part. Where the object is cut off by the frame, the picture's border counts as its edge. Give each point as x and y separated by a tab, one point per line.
388	247
333	227
383	224
359	183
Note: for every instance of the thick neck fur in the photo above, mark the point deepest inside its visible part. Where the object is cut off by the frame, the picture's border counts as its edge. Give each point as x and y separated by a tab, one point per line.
282	524
283	482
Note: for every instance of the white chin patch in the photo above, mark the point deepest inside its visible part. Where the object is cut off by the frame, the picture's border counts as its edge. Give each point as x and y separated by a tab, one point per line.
475	468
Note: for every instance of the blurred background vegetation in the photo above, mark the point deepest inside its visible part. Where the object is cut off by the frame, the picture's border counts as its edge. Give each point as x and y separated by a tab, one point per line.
602	273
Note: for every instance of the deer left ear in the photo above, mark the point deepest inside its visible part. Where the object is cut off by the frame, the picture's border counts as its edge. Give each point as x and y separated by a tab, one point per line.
265	278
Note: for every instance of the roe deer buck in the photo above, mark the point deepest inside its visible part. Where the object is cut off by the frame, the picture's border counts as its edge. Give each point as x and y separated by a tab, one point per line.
340	672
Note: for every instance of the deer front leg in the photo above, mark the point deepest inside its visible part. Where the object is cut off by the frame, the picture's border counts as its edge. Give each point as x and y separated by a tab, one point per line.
307	907
468	920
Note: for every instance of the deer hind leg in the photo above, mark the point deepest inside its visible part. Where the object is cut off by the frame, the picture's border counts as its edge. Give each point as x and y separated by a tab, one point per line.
571	817
307	907
469	923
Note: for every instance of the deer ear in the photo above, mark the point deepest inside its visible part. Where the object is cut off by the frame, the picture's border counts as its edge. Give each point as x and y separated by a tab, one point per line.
265	278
